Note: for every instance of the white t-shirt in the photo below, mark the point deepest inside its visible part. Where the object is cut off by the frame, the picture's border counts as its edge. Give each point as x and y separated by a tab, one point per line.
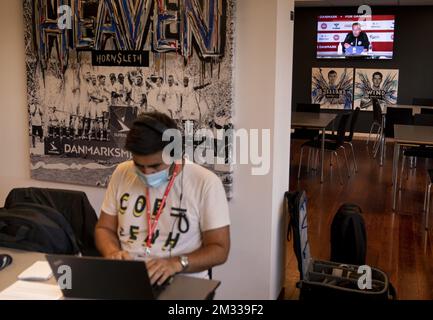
204	207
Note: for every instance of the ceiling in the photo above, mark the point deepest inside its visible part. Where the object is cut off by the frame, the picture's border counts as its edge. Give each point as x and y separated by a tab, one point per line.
354	3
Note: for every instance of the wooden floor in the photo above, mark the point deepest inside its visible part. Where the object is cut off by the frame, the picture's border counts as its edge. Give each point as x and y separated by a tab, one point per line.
396	241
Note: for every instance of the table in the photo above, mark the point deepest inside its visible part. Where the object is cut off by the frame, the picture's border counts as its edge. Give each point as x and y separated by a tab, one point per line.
182	288
407	135
310	120
415	110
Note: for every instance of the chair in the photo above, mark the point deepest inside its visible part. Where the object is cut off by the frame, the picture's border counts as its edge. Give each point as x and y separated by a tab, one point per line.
306	134
308	107
423	119
377	121
331	146
426	110
397	116
349	139
427	197
74	205
422	102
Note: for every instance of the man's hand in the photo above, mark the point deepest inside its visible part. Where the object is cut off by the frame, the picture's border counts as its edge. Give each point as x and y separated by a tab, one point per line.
347	46
161	269
119	255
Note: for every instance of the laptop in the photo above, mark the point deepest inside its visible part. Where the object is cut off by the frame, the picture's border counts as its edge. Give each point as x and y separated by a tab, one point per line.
103	279
355	50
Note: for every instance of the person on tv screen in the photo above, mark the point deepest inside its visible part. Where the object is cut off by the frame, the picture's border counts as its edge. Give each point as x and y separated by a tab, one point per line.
356	38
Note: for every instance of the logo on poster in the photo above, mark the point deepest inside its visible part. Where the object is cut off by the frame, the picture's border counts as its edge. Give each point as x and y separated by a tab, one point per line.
53	147
324	26
336	37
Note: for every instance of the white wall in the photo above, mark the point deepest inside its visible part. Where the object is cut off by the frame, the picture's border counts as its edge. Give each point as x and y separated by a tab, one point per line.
263	95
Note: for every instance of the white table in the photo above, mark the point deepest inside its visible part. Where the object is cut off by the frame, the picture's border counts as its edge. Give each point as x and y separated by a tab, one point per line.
407	135
415	110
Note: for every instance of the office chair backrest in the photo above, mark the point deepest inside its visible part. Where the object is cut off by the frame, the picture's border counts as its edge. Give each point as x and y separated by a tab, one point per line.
342	125
308	107
353	122
423	120
377	112
426	110
422	102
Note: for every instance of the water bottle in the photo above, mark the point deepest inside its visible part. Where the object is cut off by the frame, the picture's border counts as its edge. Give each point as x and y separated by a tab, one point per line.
340	49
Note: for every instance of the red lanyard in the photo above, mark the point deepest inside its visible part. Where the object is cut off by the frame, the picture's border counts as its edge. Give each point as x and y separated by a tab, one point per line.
151	227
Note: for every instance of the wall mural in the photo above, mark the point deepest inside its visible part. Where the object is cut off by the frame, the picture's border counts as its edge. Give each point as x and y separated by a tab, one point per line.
115	59
373	83
332	88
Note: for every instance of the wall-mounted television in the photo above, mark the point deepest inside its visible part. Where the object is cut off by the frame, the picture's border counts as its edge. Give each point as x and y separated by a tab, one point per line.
354	36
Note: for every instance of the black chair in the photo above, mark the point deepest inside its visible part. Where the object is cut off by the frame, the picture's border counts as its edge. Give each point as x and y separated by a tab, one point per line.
308	107
423	120
397	116
349	139
422	102
74	205
306	134
377	120
426	110
331	146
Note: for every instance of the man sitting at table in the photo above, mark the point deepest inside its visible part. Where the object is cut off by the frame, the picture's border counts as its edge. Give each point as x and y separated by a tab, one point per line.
356	38
189	233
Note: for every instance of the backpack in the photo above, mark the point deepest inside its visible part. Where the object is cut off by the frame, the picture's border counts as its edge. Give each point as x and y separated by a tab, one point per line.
73	205
296	203
34	227
348	236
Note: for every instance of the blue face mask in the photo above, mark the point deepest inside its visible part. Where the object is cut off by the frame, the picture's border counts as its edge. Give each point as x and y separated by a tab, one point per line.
154	180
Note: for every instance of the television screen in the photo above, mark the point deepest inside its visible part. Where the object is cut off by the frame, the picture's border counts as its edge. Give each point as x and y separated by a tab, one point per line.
353	36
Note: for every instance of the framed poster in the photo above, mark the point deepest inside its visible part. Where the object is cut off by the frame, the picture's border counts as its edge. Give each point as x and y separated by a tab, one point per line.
94	65
372	84
332	88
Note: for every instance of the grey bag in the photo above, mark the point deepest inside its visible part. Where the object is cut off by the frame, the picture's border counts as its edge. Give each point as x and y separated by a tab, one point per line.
330	280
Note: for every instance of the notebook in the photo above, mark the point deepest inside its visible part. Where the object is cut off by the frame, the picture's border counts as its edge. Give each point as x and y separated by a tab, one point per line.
39	271
27	290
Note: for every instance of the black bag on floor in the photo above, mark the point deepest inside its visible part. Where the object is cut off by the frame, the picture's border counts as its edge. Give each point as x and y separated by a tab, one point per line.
34	227
327	280
348	236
